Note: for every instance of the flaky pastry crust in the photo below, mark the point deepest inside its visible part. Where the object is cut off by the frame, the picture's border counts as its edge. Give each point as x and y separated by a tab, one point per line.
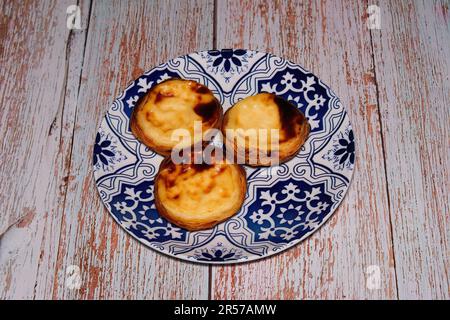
170	105
266	111
199	196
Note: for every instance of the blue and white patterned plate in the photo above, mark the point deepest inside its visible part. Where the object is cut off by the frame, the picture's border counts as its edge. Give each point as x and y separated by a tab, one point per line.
283	205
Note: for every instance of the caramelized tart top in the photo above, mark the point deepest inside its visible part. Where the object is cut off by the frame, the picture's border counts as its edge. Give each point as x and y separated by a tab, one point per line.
198	190
171	105
285	127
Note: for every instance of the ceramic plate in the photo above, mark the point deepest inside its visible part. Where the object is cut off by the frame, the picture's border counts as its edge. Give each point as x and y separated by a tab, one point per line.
283	205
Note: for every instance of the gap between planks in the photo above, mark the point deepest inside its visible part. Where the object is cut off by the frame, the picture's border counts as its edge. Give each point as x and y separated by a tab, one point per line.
380	122
210	267
68	47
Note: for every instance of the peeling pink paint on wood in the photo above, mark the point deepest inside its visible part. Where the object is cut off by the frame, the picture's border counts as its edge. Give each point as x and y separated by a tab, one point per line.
57	85
85	69
331	40
107	256
412	52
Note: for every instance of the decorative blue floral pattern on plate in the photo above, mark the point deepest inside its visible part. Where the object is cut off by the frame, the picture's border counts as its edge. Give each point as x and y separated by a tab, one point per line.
284	204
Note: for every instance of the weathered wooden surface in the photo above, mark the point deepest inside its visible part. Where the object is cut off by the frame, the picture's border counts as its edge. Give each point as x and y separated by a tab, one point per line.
36	130
56	85
72	227
333	42
412	60
122	42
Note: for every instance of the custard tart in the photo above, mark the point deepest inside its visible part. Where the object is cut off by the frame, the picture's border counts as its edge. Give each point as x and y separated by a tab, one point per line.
199	196
264	128
175	104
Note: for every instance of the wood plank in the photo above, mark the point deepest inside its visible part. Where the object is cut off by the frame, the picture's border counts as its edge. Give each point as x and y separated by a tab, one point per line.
39	56
412	52
329	38
123	41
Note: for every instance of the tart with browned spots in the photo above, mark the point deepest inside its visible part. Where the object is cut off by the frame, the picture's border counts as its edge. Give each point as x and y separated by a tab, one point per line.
263	127
199	196
171	105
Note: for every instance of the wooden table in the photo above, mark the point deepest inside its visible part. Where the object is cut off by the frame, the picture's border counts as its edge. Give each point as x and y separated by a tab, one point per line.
57	84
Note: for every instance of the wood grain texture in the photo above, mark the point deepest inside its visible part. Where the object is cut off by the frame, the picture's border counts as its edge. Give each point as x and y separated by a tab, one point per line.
412	52
329	38
64	220
57	84
123	41
36	133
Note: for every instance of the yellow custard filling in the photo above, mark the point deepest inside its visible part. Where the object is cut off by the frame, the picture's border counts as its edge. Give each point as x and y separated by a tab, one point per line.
253	119
199	191
175	104
266	128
